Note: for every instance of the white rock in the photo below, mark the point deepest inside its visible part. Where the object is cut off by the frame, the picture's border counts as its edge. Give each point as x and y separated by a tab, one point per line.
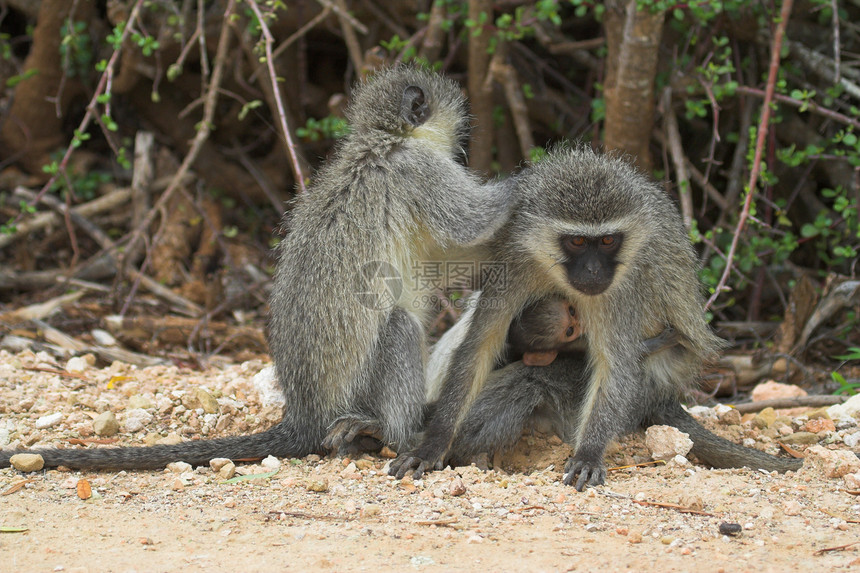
851	440
136	419
77	364
179	467
666	442
49	421
705	413
271	463
848	409
267	386
218	463
103	337
4	437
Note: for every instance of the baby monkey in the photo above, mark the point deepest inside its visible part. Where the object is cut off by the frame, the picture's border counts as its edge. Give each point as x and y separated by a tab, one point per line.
541	331
549	327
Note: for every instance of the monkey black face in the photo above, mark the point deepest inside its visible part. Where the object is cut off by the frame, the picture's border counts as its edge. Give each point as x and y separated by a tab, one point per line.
591	261
413	107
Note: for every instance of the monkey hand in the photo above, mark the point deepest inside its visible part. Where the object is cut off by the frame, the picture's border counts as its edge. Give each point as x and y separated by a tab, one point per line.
414	460
590	472
539	358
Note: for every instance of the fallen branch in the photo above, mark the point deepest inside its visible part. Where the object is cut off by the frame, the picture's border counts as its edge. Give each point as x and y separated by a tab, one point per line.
782	403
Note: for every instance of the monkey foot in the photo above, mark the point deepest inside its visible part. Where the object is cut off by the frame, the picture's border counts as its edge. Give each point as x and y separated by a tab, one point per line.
403	463
348	435
590	473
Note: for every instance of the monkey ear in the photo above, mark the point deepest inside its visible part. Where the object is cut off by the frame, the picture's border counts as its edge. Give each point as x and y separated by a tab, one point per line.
413	106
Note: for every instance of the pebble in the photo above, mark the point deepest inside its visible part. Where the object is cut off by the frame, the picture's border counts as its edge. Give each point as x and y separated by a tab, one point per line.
77	364
770	390
851	440
732	529
791	507
457	487
27	462
207	401
179	467
816	425
267	386
271	463
103	337
217	463
848	409
226	471
49	421
765	418
801	438
318	486
139	401
634	537
371	510
666	442
105	424
833	463
136	419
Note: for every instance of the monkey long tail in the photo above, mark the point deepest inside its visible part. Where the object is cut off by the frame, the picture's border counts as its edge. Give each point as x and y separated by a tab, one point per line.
280	440
714	450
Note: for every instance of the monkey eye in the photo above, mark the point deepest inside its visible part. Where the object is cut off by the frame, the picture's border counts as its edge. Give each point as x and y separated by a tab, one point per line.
576	242
569	332
571	310
607	240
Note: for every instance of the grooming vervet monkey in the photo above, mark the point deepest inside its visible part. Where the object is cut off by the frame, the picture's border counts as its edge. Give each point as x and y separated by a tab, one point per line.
552	396
592	230
349	353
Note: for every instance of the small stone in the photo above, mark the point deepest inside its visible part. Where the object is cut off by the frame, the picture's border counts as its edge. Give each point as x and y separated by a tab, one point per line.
634	536
457	487
818	413
318	486
139	401
387	452
833	463
371	510
816	425
105	424
136	419
217	463
179	467
852	481
27	462
730	418
731	529
666	442
271	463
77	364
268	388
848	409
791	507
170	439
765	418
207	401
103	337
692	501
801	438
850	440
770	390
227	471
49	421
230	502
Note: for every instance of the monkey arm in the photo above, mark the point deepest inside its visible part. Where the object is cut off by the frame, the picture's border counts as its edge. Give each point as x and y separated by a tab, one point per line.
467	373
613	408
457	207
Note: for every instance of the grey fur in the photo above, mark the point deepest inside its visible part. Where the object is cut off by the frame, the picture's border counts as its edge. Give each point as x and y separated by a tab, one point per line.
392	192
578	192
518	395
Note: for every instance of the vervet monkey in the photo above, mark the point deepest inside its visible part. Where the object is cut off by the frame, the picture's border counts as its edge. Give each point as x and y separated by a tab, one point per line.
516	396
348	346
589	229
541	331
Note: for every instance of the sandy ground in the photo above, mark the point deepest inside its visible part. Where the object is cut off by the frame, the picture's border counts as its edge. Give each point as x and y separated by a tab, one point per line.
335	514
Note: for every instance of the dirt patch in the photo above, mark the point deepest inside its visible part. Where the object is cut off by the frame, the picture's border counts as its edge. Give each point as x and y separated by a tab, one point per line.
341	514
